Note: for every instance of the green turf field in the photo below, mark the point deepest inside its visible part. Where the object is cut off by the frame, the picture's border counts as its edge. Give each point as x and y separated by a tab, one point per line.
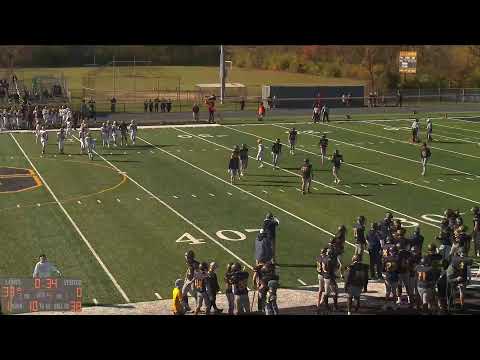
126	218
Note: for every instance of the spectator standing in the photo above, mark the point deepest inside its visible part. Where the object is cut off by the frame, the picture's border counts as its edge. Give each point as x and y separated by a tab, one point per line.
162	105
271	307
213	287
374	250
242	104
349	99
113	104
83	110
195	111
150	105
169	105
145	105
156	101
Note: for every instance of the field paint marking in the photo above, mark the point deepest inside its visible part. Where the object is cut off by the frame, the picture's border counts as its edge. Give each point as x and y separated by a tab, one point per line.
301	282
176	197
402	141
453	127
441	180
395	178
137	199
152	152
281	190
339	190
380	184
426	181
194	195
118	200
252	230
237	187
79	202
158	296
347	186
115	283
38	204
455	179
363	185
229	193
211	194
265	191
18	205
171	208
98	201
468	178
314	188
95	301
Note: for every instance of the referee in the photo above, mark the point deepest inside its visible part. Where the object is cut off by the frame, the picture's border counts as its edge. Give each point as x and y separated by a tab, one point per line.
45	269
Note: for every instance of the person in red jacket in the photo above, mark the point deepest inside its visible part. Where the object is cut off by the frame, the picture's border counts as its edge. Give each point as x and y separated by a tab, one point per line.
261	111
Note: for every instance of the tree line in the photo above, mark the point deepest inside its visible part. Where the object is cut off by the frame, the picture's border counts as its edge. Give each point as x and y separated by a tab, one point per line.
437	66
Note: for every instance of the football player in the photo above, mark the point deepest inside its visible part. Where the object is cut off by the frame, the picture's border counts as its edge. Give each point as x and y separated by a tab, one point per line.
425	279
307	175
337	160
200	283
276	152
188	285
109	133
329	267
359	236
69	128
114	133
61	140
228	289
357	278
243	159
90	144
38	128
103	132
133	132
415	130
233	167
476	230
390	268
260	153
43	139
425	155
316	113
429	130
240	290
81	135
123	131
292	139
323	143
321	281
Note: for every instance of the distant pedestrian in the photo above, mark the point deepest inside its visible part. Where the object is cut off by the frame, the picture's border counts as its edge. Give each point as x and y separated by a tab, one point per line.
195	111
162	105
213	287
276	152
156	101
233	168
425	155
242	104
261	112
113	104
145	105
169	105
307	174
357	278
150	105
325	114
429	130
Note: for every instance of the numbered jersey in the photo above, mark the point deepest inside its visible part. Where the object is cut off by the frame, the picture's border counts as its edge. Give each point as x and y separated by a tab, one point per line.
200	281
240	283
306	171
292	135
44	135
323	142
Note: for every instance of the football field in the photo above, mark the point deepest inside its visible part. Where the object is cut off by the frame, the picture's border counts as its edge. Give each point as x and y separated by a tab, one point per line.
122	222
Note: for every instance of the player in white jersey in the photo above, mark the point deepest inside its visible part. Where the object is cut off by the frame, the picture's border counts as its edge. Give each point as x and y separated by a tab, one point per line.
45	116
5	119
90	144
35	114
17	118
429	130
114	133
37	132
81	136
61	139
104	134
133	131
261	152
69	129
109	133
43	139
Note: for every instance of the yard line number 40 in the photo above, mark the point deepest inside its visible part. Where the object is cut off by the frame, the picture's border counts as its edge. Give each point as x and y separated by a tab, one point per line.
230	235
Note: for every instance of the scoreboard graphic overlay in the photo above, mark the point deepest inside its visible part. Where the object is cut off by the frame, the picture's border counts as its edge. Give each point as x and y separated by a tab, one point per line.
27	295
408	62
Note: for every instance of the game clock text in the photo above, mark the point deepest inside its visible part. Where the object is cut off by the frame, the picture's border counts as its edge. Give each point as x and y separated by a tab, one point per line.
20	295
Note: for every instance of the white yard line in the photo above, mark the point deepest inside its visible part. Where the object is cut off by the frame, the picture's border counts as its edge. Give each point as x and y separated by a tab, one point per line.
211	194
158	296
315	181
393	177
334	188
171	208
301	282
98	201
74	224
233	185
95	301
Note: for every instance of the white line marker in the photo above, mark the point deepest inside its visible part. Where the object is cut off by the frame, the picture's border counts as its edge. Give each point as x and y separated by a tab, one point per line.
95	301
469	178
441	180
314	188
18	205
69	155
229	193
152	152
138	152
178	150
380	184
120	290
282	190
265	191
194	195
204	149
298	189
79	202
371	143
363	185
137	199
394	183
175	196
118	200
98	201
38	204
190	150
347	186
455	179
301	282
217	149
252	230
158	296
124	153
426	181
211	194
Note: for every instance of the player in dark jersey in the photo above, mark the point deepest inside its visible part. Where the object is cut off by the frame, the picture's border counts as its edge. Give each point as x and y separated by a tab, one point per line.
425	155
188	286
338	243
457	275
243	154
228	288
404	267
307	175
375	252
276	152
337	160
476	229
213	287
329	268
356	280
240	290
390	268
385	227
233	167
429	130
200	283
270	225
292	139
123	131
359	236
416	241
323	143
426	284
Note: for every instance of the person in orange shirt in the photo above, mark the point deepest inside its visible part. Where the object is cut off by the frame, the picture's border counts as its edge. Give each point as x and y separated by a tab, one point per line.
177	307
261	112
